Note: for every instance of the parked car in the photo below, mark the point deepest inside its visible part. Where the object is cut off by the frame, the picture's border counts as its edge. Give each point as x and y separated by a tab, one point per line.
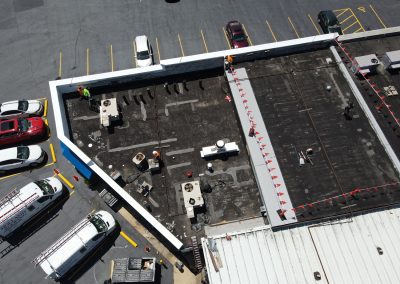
329	22
15	131
21	156
144	56
21	108
236	35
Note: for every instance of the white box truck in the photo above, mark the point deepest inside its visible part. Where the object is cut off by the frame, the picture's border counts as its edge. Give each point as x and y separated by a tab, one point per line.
58	259
21	205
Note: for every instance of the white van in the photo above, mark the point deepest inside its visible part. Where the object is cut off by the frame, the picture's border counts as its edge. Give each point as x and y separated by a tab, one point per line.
58	259
20	206
144	56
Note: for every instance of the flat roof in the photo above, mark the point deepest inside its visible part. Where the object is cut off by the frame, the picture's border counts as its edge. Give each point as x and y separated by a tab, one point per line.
178	122
302	98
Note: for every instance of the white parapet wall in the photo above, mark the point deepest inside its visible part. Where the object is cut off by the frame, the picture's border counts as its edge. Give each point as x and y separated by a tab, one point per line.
169	67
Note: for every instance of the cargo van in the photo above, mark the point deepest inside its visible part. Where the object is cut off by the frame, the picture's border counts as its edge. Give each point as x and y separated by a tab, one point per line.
21	205
68	251
144	56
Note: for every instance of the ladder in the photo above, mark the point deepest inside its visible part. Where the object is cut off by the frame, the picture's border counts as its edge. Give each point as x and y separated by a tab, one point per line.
196	253
6	199
71	233
15	209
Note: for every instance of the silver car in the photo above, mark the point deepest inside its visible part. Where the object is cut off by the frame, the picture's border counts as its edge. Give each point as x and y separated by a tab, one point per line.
21	108
21	156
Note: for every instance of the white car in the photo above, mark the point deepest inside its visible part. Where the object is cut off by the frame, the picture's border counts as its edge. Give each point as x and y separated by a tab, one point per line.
21	156
21	108
144	57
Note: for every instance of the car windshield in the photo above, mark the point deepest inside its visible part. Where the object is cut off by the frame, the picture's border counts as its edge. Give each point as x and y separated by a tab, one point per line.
23	105
45	187
22	152
23	124
143	55
239	37
98	223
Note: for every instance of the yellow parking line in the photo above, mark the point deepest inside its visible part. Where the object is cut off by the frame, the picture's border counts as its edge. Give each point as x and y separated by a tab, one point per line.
379	18
294	29
158	51
46	103
112	58
48	165
342	12
13	175
134	54
349	26
60	66
125	236
66	180
204	40
180	43
245	31
87	62
315	26
226	37
358	21
53	154
359	30
46	121
270	29
347	19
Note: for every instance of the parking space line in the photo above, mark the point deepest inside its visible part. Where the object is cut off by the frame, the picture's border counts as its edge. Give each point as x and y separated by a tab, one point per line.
315	26
111	58
48	165
6	177
126	237
158	51
349	26
379	18
226	37
358	21
53	154
180	43
294	29
46	121
87	62
204	40
72	192
134	54
342	12
60	66
347	19
359	30
270	29
46	103
245	31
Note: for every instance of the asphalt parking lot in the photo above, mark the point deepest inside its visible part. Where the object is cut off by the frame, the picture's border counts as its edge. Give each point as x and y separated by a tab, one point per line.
41	40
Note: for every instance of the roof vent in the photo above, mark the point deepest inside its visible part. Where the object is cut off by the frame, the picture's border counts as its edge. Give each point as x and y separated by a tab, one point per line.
380	251
317	275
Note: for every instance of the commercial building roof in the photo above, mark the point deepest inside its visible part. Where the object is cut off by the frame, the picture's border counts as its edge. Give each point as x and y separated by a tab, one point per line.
359	249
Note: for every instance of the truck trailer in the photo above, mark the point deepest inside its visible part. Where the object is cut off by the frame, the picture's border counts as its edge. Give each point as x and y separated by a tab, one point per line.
68	251
21	205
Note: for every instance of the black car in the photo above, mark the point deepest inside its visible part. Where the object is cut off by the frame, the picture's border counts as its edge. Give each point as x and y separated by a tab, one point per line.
329	23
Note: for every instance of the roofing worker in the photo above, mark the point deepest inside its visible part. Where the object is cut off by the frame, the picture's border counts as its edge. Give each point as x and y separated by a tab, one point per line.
83	92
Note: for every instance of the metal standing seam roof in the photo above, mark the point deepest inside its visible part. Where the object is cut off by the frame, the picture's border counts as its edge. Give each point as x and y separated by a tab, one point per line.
362	249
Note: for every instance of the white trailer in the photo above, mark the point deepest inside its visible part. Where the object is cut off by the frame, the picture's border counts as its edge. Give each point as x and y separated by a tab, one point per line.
58	259
21	205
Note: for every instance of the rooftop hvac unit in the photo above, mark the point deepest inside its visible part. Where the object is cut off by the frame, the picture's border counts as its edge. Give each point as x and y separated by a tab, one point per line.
108	111
391	60
192	197
365	64
220	147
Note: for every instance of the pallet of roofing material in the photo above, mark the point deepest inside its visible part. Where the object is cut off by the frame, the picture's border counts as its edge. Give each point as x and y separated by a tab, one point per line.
133	270
58	259
20	206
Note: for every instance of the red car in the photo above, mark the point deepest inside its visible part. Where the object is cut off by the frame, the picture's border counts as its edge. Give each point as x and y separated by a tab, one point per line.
14	131
236	35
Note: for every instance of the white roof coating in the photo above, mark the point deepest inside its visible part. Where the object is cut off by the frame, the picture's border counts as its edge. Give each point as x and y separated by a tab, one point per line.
362	249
